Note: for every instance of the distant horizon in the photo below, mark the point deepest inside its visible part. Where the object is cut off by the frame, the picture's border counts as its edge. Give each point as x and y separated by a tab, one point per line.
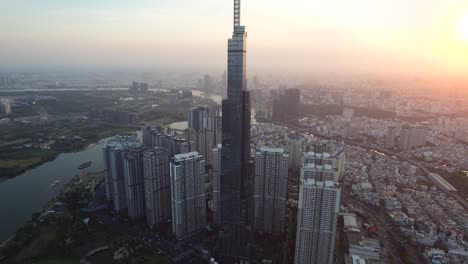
424	39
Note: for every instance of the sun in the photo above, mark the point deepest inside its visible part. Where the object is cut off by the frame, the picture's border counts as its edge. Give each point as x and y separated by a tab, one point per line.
463	27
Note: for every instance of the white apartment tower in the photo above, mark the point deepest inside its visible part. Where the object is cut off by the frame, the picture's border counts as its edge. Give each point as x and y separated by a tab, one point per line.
188	195
317	216
270	190
326	157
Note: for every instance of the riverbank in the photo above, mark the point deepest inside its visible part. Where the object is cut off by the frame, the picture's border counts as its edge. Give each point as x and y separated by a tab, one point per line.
45	235
64	230
18	159
27	193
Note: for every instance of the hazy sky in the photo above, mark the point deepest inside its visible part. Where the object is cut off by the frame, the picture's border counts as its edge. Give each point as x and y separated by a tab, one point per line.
359	36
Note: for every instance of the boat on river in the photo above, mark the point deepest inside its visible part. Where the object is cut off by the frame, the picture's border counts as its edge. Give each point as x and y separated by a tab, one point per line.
85	165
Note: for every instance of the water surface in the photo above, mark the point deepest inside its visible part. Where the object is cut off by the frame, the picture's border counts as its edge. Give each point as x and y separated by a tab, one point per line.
27	193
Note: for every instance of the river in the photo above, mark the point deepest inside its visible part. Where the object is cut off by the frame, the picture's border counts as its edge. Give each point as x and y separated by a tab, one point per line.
27	193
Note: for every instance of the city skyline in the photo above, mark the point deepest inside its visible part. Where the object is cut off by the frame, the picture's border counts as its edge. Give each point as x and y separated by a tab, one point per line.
116	164
395	38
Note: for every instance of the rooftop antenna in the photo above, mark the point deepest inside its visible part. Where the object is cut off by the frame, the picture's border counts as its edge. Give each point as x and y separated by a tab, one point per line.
236	13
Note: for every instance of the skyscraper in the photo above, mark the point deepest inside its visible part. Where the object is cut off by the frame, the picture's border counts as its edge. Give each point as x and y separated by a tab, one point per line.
196	117
205	144
317	215
173	144
270	190
236	194
412	137
286	107
188	195
390	137
324	159
157	186
146	135
117	178
405	137
114	173
134	183
216	184
5	106
294	148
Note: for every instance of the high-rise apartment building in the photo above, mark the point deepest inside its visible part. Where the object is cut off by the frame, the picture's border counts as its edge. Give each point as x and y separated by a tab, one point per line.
325	157
205	144
270	190
107	151
213	124
286	108
188	194
134	183
236	196
319	172
216	172
197	117
348	113
117	179
317	216
204	129
114	173
405	137
390	137
294	148
157	186
5	106
420	134
413	136
146	135
174	145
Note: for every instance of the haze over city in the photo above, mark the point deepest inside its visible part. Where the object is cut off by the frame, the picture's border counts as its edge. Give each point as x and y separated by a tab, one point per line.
302	37
221	132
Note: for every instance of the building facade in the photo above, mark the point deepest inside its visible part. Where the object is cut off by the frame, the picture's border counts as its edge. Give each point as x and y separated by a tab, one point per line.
114	171
236	191
215	207
390	137
197	117
413	136
286	107
174	145
188	195
5	106
294	148
157	186
316	221
134	183
325	157
270	190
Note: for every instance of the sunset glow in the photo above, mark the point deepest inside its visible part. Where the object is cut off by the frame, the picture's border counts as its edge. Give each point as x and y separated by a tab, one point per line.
463	27
426	37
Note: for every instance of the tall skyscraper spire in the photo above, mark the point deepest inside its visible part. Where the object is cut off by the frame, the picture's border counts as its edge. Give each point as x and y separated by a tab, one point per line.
236	13
236	180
